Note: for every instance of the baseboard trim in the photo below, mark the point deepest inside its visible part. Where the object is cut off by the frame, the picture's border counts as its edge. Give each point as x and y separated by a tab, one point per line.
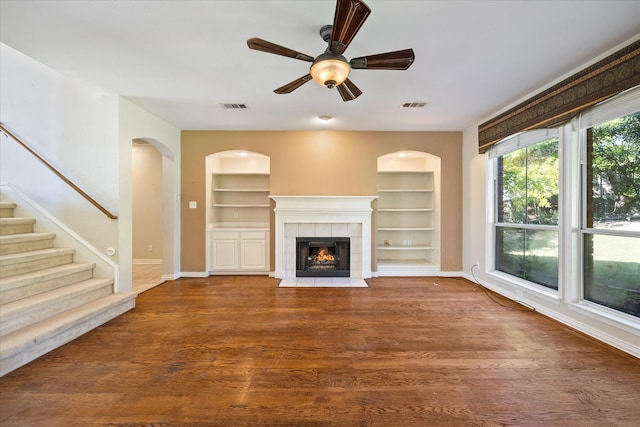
146	261
201	274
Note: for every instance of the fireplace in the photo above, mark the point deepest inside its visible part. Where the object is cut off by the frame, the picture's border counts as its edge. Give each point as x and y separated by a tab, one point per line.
322	256
323	216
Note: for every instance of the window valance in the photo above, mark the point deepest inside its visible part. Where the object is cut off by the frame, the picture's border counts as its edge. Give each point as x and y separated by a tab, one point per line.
602	80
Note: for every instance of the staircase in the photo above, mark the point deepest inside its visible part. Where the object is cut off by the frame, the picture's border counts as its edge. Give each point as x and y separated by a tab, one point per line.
46	299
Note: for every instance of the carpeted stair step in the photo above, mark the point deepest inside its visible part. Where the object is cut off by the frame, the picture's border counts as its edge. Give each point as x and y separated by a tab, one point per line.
27	311
16	225
24	285
24	242
25	345
34	260
6	209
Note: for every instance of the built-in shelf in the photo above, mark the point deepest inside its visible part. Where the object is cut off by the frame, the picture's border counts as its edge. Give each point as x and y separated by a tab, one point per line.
240	197
405	262
405	222
404	248
407	268
405	228
238	213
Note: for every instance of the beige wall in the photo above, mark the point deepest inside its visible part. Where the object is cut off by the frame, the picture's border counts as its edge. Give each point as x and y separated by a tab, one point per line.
147	202
319	163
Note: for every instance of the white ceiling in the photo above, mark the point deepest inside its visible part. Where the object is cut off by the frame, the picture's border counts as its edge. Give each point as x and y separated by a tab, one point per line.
182	59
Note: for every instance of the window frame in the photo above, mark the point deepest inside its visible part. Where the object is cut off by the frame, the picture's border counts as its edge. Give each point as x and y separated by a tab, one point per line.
509	145
572	187
619	106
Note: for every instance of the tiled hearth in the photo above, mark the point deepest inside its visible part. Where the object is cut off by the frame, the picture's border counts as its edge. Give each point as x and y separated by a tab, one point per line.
323	216
323	282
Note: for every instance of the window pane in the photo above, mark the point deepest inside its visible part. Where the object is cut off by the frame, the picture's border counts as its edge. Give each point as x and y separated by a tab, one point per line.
529	254
541	257
542	183
510	251
513	186
612	272
528	185
614	156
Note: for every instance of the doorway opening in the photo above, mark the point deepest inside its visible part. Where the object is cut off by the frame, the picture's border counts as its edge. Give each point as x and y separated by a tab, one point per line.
147	216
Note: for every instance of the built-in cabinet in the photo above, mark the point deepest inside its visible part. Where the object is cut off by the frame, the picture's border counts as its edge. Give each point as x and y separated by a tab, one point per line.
238	216
407	220
238	250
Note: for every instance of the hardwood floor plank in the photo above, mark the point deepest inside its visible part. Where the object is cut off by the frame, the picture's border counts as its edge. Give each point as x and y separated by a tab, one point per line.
239	351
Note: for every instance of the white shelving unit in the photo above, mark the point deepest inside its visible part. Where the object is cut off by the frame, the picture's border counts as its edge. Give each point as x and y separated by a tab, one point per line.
240	198
407	222
238	213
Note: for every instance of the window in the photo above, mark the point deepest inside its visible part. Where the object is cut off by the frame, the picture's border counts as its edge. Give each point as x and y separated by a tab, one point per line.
526	226
566	215
611	217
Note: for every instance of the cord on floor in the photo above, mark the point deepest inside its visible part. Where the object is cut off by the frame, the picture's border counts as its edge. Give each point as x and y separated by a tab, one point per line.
488	292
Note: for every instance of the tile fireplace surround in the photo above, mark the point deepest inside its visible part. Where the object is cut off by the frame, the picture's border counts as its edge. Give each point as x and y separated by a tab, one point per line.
323	216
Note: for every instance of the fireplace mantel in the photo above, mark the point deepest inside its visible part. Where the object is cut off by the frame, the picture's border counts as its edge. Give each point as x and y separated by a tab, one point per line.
340	216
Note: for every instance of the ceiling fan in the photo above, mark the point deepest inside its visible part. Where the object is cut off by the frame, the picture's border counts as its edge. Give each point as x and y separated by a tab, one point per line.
331	69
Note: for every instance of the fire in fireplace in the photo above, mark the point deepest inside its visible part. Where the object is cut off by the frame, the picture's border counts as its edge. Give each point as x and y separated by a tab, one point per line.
322	257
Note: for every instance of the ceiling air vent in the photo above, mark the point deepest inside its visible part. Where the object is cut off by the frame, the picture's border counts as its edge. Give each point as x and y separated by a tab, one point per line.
414	105
234	106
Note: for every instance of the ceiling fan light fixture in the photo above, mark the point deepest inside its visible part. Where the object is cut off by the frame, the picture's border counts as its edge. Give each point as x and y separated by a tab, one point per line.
330	70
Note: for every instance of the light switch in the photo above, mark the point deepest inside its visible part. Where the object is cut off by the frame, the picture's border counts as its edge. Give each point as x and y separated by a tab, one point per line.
193	205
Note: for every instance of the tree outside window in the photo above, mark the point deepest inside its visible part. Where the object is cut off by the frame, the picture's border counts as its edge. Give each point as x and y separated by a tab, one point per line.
612	245
527	236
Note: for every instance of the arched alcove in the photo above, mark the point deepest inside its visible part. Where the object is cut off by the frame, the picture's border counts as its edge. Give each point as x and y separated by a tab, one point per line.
408	214
237	212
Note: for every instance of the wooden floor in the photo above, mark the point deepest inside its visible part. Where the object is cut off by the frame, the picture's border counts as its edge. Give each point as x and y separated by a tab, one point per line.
145	277
238	351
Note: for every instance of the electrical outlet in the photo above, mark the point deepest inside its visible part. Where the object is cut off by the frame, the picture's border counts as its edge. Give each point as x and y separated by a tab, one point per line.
150	248
236	215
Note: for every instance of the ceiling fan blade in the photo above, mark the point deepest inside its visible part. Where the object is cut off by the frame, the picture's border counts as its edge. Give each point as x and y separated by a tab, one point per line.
290	87
398	60
256	43
349	17
348	91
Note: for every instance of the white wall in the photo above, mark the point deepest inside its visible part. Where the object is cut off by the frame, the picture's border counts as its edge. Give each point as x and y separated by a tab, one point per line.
474	213
87	134
136	123
75	128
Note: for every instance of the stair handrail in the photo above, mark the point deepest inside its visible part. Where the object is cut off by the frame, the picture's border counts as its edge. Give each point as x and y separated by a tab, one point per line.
102	209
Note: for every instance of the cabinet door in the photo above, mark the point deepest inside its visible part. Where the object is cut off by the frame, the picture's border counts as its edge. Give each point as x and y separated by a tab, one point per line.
224	254
253	254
